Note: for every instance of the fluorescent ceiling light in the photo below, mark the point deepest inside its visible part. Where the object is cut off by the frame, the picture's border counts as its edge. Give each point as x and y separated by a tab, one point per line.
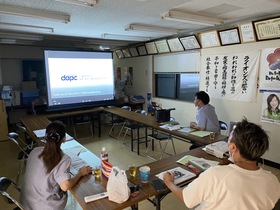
20	36
89	3
34	13
159	30
13	41
7	41
25	28
125	37
191	18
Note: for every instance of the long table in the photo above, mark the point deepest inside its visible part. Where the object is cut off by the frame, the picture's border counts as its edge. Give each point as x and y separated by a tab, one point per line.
88	185
167	164
37	122
150	121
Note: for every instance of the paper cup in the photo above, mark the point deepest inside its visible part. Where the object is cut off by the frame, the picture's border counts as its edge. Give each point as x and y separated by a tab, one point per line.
145	173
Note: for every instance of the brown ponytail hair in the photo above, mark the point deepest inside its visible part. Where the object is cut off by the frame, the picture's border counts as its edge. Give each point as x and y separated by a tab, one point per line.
52	153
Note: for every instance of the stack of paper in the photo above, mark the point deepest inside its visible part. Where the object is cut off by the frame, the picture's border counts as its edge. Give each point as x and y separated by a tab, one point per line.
201	133
170	127
200	163
186	130
217	149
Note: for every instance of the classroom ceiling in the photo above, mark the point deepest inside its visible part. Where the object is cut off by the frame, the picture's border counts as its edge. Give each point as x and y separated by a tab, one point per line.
87	25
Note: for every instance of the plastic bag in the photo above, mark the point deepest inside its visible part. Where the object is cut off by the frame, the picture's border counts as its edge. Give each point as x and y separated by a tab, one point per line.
117	188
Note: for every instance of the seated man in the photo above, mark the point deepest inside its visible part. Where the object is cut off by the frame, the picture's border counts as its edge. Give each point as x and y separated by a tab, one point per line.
242	185
206	117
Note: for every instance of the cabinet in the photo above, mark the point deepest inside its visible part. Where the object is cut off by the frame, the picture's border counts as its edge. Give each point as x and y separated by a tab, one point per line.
3	122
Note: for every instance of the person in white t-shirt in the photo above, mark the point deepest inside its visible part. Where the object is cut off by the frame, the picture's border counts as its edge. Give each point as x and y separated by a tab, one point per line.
242	185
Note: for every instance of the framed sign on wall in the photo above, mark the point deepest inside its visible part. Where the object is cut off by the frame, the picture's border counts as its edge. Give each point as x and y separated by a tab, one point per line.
175	45
247	33
230	36
267	29
142	50
190	42
209	39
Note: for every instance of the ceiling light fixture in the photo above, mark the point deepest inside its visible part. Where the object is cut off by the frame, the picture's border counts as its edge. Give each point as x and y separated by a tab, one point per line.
34	13
191	18
20	36
89	3
125	37
159	30
25	28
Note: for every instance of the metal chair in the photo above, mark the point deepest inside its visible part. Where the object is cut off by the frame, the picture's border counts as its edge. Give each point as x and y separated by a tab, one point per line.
160	137
39	106
28	141
130	126
22	155
82	121
5	183
118	121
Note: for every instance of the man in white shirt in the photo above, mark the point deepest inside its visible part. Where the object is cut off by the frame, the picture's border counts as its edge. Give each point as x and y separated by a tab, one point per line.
242	185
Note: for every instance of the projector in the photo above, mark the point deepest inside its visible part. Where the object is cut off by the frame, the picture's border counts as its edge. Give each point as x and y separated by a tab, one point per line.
218	149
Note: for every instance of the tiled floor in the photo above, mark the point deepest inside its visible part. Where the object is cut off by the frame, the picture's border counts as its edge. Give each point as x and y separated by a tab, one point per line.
119	155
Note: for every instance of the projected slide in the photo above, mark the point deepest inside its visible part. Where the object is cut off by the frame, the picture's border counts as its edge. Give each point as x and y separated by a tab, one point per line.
79	77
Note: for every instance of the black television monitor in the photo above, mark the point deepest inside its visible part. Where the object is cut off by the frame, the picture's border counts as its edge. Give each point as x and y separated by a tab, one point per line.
187	86
78	79
166	85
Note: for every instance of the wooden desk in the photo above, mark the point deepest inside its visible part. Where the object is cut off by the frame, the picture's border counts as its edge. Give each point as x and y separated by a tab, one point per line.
151	122
37	122
166	164
88	185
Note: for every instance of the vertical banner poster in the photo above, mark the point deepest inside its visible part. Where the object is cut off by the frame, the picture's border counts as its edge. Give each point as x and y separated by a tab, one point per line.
230	76
270	69
270	107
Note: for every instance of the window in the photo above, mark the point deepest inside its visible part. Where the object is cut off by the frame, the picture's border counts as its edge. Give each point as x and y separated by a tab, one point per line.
177	86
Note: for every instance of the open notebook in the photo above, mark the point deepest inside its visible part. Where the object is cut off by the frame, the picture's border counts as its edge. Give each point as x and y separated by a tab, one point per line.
76	161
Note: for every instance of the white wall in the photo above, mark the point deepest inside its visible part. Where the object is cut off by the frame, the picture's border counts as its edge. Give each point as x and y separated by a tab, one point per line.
143	77
229	110
226	110
10	63
142	73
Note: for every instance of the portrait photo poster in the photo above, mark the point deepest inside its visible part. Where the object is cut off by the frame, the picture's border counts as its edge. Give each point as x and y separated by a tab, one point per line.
270	112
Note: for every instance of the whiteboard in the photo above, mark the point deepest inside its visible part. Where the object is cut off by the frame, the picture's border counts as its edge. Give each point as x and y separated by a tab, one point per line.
179	62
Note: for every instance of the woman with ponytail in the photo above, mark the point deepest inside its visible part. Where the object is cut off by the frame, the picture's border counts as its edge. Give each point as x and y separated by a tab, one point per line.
47	176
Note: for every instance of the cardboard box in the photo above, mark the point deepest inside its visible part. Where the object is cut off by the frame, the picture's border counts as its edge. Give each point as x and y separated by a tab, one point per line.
28	85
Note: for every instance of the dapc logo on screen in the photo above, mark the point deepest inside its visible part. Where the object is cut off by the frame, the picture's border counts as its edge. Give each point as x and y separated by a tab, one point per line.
68	78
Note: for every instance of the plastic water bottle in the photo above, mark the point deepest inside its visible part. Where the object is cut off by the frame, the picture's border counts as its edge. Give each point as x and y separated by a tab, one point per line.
104	154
